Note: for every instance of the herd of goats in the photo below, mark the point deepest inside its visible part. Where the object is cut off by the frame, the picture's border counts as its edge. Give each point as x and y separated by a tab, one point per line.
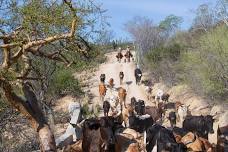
135	127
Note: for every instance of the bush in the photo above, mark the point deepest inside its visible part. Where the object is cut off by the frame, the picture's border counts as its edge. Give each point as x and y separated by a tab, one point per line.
200	60
163	61
207	65
64	83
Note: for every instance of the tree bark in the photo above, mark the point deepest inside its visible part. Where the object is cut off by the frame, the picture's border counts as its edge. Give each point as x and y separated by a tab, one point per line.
31	110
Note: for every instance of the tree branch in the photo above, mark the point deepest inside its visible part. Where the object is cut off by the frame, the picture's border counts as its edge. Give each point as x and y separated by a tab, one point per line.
52	38
11	45
31	110
27	68
6	56
29	78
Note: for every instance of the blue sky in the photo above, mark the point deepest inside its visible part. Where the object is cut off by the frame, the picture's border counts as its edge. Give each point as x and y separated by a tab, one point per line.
121	11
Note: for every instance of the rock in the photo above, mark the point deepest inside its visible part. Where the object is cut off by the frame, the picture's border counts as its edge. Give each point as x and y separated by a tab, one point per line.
75	112
71	135
67	138
223	120
217	110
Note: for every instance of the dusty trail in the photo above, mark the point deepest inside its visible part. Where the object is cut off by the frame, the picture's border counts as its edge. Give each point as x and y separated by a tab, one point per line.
111	69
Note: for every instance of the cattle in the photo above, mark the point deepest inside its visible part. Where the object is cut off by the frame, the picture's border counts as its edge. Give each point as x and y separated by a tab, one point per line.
159	94
121	76
106	108
177	138
179	131
182	112
122	93
133	101
163	139
177	104
122	116
172	118
165	97
207	145
114	103
148	93
119	56
140	107
128	54
202	125
138	75
76	147
128	131
155	112
158	97
102	91
111	83
102	78
125	113
222	139
133	147
98	135
125	144
192	142
139	123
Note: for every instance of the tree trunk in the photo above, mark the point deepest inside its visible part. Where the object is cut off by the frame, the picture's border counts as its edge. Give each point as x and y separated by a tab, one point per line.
31	110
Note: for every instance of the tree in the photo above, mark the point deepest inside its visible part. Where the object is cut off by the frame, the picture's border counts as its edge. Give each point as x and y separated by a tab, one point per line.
27	32
221	11
105	37
145	34
204	18
170	24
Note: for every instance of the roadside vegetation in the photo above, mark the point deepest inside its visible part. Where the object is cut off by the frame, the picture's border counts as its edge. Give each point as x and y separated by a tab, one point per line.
197	57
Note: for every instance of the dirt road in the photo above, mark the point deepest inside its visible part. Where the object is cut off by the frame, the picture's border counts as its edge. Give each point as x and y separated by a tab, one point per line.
111	69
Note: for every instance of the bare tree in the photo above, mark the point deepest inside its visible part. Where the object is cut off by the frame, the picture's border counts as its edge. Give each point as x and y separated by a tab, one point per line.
221	11
105	37
145	34
205	18
148	35
38	24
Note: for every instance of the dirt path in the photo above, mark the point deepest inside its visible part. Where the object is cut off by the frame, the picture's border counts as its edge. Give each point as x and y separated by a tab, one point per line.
111	69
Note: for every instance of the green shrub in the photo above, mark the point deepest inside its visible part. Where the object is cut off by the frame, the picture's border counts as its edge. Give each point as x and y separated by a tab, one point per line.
158	54
64	83
163	62
207	66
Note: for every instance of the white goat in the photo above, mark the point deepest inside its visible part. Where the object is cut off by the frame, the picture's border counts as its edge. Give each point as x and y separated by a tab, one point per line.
182	112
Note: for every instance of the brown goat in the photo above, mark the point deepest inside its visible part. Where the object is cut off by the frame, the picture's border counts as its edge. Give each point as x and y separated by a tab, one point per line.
102	91
111	83
122	93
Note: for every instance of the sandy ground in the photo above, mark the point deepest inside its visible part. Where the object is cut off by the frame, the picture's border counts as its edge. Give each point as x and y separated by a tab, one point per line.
111	69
